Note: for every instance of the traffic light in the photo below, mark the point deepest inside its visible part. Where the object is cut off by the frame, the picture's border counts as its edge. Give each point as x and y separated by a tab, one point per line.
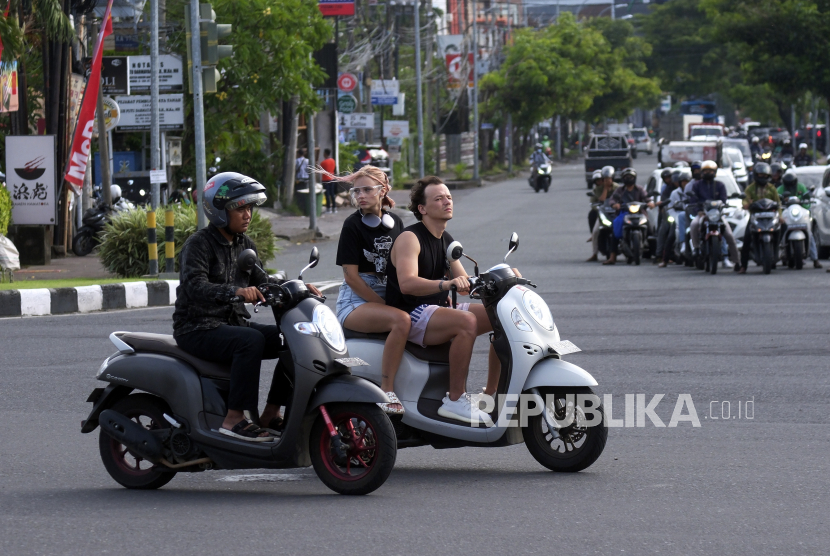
210	33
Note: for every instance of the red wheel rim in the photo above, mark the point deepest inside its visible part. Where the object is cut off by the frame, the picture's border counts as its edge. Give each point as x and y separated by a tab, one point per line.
126	461
352	453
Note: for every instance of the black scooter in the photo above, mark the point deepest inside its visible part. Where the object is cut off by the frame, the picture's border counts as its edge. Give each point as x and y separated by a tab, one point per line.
765	226
332	421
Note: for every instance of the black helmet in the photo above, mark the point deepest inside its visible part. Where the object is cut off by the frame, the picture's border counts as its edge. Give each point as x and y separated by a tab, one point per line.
762	172
228	191
790	179
666	173
696	165
778	167
629	176
676	175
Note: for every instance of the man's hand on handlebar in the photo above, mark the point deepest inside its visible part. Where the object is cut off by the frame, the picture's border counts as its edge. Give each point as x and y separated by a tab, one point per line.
250	294
616	206
461	283
314	290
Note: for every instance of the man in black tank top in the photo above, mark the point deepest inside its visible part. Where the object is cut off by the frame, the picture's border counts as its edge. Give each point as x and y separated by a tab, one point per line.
418	281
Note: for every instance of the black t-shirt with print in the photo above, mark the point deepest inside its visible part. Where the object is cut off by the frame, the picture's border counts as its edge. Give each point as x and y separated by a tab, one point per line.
367	247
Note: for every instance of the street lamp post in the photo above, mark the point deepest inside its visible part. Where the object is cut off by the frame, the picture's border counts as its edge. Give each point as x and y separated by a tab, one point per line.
475	90
420	110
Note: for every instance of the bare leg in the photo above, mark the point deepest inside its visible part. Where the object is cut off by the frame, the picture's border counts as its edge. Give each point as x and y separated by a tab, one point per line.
374	317
460	327
493	364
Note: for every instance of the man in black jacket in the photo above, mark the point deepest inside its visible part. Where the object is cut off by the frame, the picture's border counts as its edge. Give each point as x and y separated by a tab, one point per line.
209	324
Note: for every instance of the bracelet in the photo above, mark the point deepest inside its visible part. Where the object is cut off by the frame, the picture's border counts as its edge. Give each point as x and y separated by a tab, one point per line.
441	285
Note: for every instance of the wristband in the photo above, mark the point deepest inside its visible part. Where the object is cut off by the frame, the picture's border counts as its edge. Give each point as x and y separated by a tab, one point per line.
441	285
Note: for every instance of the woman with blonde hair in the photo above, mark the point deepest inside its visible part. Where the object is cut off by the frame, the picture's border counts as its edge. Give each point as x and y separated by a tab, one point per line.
363	252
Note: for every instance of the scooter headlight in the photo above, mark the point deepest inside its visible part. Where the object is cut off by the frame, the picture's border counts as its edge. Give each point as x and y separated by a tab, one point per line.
796	211
634	208
330	330
605	220
538	309
671	219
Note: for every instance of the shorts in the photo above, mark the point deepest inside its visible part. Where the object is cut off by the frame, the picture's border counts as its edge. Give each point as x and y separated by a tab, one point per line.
348	300
420	318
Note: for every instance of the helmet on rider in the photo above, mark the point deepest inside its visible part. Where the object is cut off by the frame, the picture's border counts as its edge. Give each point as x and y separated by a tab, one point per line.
708	170
629	176
538	146
762	172
681	164
228	191
608	172
675	175
777	168
597	175
756	140
802	146
695	166
115	193
790	179
666	173
685	175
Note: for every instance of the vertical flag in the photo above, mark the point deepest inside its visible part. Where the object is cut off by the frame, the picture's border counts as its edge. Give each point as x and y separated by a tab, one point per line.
81	143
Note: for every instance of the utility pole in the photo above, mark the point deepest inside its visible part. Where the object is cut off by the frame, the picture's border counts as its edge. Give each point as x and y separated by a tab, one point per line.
312	188
198	107
418	92
613	9
155	152
475	90
103	150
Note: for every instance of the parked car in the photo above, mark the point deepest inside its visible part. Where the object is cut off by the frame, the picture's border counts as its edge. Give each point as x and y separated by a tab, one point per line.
819	177
642	141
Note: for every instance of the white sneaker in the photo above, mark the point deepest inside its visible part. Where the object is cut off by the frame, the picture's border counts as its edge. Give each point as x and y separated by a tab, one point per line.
480	400
461	409
728	264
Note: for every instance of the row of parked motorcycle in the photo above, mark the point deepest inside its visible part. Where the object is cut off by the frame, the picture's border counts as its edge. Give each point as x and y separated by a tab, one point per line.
764	218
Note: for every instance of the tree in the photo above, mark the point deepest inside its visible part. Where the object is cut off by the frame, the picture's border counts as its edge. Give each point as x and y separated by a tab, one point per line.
624	72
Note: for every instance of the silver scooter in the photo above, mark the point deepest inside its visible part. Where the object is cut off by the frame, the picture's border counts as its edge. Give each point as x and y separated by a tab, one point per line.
541	400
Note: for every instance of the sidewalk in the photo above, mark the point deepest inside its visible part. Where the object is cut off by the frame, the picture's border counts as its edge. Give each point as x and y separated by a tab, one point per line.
66	267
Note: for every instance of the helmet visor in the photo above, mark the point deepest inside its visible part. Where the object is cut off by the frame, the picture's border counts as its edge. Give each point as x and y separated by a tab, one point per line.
249	199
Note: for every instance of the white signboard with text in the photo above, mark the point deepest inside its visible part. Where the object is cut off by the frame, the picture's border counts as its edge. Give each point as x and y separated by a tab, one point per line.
358	120
385	91
170	73
396	128
30	178
135	112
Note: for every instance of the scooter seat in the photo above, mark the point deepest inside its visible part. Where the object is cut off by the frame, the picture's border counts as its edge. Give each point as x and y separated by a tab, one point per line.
438	354
166	345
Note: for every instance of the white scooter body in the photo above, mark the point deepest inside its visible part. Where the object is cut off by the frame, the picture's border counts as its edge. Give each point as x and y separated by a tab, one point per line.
421	384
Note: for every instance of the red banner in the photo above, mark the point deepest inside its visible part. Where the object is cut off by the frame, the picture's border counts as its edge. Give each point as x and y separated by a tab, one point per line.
81	143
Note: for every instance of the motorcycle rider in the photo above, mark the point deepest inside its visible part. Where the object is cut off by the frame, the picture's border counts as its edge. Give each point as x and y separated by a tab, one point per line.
205	322
755	148
537	158
696	169
670	231
791	186
786	148
592	214
602	192
760	188
802	158
629	192
777	169
705	189
417	283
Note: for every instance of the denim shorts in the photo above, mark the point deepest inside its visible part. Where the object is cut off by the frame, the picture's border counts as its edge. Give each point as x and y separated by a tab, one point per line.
348	300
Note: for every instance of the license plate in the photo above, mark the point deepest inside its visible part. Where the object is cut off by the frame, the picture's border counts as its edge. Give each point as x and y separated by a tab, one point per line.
564	347
352	362
765	214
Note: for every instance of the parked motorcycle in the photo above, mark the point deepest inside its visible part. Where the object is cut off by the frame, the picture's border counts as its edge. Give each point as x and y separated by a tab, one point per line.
795	243
540	177
332	421
635	231
555	427
94	220
764	226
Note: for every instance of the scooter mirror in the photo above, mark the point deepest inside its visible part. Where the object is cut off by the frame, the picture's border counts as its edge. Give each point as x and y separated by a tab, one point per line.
514	242
455	251
314	258
246	260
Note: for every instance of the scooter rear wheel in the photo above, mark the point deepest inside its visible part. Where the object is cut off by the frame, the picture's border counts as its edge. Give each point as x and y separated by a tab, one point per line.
83	243
359	459
127	469
576	446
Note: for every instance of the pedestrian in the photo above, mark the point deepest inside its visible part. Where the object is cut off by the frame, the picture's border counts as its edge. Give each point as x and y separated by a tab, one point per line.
329	182
301	170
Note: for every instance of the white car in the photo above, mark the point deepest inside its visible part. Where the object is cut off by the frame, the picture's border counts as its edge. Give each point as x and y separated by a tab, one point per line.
733	158
818	178
642	141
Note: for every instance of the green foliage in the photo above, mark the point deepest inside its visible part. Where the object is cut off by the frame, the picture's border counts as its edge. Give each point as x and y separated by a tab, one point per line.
5	210
346	158
460	171
124	252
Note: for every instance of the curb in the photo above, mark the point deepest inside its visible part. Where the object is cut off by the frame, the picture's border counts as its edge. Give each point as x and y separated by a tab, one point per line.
87	299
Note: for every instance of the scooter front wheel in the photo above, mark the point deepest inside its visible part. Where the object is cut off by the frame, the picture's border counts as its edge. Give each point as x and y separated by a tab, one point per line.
360	456
83	243
577	441
126	468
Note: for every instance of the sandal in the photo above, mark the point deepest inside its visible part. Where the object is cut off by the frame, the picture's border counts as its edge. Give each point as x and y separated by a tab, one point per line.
246	430
274	427
393	400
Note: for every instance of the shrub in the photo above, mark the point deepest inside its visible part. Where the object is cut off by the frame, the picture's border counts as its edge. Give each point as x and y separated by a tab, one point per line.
124	250
5	210
460	171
